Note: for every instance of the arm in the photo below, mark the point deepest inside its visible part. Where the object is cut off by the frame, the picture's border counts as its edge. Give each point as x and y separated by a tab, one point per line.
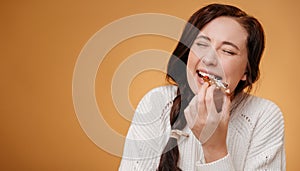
266	150
210	128
146	135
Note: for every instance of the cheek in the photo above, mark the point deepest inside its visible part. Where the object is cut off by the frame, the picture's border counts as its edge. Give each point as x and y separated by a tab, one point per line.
234	71
191	66
192	60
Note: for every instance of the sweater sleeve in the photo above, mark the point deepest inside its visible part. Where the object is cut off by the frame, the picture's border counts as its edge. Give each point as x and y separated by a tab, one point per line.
224	164
266	150
147	134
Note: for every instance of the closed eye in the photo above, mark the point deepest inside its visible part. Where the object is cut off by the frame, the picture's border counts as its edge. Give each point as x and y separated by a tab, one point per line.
228	52
202	44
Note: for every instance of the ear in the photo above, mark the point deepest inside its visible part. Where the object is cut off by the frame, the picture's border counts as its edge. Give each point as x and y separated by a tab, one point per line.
244	77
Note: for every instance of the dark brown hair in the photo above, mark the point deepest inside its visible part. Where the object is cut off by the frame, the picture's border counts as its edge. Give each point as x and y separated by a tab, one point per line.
176	71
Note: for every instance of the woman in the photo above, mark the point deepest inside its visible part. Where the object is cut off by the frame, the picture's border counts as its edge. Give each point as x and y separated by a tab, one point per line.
194	124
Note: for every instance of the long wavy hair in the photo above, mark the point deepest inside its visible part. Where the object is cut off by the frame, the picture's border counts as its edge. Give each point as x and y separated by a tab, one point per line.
176	71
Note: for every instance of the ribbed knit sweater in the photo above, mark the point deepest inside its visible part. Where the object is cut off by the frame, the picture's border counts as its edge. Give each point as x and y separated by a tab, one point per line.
255	138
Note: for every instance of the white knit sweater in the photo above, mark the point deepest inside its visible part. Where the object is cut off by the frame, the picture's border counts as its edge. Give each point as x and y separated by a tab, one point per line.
255	138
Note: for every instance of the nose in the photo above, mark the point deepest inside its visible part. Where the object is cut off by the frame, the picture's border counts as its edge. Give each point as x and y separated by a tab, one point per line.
210	58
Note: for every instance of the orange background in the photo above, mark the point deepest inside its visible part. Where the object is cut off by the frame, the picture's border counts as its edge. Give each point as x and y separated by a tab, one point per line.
40	43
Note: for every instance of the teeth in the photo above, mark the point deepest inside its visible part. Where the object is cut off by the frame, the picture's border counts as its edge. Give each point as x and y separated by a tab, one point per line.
202	74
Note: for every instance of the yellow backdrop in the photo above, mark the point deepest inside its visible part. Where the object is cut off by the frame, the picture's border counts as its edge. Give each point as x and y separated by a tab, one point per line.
40	43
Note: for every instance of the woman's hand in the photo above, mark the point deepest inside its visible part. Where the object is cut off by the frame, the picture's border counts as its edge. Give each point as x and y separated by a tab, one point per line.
207	123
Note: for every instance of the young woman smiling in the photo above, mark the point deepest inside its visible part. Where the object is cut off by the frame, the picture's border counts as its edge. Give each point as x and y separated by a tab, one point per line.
193	124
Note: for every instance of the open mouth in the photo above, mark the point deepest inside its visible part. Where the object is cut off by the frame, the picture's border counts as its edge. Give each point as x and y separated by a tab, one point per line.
208	76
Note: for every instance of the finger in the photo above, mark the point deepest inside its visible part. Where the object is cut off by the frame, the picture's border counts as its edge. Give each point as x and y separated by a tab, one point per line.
193	106
209	100
191	112
213	117
187	115
201	99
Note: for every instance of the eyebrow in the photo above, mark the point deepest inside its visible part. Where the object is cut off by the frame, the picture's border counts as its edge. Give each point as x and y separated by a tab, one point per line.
231	44
224	42
203	37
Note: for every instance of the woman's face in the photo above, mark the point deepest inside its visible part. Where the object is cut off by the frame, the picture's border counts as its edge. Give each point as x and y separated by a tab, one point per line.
219	49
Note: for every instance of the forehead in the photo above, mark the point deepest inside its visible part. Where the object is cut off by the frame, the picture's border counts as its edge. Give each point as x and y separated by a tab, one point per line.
225	29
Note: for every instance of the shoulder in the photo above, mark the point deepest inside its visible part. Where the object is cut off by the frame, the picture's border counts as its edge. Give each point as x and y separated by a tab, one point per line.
257	112
166	90
262	106
264	113
158	97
